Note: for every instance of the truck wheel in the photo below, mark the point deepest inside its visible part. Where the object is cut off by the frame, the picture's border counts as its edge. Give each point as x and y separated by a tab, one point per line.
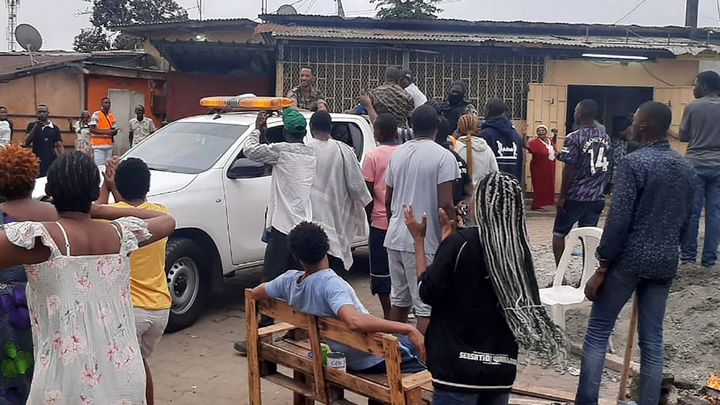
187	283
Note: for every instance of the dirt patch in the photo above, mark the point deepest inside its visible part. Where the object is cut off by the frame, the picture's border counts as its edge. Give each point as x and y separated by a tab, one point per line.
692	320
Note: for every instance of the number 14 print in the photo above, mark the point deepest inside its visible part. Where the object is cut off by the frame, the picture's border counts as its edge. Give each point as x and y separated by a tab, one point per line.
600	163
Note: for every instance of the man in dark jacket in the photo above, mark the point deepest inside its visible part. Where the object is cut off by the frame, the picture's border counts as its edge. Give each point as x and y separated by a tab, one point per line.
457	104
503	139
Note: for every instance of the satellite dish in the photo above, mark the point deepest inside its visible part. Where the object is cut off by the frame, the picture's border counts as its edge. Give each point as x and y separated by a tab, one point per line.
28	37
287	9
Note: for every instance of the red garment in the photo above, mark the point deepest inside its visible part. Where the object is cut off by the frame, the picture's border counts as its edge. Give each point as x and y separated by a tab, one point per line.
542	171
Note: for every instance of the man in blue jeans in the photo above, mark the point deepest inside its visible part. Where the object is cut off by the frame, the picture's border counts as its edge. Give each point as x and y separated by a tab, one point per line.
650	213
701	130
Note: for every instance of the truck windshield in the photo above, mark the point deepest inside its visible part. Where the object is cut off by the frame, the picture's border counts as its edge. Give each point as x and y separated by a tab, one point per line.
187	147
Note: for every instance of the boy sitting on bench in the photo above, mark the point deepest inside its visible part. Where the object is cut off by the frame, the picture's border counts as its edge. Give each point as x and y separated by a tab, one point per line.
319	291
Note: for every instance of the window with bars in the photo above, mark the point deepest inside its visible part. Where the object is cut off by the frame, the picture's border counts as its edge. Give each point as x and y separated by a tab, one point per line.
343	72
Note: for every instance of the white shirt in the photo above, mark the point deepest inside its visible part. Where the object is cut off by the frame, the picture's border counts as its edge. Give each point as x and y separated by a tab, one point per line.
292	177
418	97
339	196
141	129
414	173
5	133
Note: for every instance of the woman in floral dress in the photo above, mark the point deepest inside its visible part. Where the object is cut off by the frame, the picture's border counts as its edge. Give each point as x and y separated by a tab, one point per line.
85	345
19	168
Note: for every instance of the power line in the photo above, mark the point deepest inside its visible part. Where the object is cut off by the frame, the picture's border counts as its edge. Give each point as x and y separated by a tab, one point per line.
629	13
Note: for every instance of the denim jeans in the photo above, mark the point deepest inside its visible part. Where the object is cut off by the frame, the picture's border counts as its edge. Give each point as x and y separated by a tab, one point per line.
614	294
707	195
441	397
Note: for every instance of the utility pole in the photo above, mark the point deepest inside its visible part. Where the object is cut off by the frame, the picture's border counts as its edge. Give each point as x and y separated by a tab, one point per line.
691	13
263	7
12	6
340	9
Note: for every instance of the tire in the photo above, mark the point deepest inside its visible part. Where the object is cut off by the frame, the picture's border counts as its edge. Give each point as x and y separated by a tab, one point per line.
187	281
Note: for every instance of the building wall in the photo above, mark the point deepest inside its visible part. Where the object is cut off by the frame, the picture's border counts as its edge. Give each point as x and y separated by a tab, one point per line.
661	73
100	86
184	90
61	90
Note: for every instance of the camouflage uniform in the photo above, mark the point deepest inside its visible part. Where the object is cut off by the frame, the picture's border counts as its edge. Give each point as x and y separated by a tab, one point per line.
309	102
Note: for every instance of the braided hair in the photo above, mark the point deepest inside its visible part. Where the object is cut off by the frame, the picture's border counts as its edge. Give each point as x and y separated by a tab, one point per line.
500	213
73	182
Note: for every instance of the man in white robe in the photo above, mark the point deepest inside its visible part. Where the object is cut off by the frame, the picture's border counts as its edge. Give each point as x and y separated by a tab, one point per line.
338	195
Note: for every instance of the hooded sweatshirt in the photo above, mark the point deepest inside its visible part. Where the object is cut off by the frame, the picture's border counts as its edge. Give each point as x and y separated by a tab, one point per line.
479	157
506	144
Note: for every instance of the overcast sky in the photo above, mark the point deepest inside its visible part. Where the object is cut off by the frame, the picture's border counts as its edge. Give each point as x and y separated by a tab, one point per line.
60	20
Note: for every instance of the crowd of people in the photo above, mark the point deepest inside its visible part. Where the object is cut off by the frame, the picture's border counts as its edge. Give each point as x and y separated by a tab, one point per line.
94	133
440	201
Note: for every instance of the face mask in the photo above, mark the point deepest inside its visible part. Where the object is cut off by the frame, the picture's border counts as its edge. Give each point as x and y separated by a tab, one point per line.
455	98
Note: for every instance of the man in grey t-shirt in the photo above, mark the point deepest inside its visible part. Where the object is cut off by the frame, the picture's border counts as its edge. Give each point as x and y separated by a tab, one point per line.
421	173
700	128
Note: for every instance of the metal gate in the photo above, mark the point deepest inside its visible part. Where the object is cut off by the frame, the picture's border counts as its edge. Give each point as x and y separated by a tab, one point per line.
344	71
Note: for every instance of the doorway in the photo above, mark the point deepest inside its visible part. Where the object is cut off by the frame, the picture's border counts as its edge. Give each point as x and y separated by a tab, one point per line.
616	105
123	107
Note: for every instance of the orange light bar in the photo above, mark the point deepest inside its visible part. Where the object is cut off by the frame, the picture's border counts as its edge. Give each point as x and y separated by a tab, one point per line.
246	103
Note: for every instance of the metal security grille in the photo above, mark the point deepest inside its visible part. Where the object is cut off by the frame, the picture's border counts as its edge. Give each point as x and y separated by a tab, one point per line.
343	72
506	77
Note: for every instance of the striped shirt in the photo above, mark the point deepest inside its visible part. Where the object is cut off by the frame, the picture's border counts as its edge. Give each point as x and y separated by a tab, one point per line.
588	149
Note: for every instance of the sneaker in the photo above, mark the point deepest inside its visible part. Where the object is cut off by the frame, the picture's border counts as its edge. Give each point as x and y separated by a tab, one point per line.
686	262
241	347
708	265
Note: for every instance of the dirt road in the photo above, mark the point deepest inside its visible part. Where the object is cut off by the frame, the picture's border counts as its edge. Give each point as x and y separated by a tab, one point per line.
199	366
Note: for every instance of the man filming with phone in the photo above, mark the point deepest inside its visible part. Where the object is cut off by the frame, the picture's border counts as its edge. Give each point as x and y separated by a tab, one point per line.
44	138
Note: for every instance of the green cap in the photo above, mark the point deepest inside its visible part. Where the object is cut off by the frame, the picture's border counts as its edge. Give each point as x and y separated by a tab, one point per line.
294	122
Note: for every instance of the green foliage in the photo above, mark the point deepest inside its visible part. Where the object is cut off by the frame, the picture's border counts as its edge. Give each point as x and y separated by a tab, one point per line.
397	9
91	39
109	14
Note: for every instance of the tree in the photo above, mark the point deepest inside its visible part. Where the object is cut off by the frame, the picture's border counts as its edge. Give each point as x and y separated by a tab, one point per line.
395	9
107	15
91	39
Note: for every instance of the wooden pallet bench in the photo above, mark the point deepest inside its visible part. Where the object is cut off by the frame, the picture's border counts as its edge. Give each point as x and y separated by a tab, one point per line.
311	380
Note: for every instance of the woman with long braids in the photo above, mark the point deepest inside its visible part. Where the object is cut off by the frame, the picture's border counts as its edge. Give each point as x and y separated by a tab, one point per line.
485	299
19	168
78	294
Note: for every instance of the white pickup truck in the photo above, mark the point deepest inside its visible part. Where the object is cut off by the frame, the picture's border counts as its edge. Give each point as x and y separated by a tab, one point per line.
218	198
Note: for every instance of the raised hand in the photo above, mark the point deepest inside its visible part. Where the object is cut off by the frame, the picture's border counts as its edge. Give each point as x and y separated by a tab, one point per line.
417	229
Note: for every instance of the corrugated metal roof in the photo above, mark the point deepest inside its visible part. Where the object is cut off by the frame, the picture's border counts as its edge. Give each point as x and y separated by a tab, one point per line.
674	45
16	64
192	24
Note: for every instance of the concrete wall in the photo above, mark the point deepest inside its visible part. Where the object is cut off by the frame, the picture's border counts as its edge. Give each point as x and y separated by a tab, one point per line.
62	90
661	73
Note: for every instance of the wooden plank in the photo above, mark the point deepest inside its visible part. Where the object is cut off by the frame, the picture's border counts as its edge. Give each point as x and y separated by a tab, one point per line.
625	375
281	311
298	397
321	393
334	329
542	392
413	396
295	357
274	329
612	361
394	373
253	352
289	383
416	380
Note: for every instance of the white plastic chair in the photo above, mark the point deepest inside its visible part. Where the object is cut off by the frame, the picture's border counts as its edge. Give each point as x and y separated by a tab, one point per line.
559	298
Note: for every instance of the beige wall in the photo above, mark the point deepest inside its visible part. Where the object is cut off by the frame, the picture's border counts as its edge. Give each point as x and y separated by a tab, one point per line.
62	90
647	74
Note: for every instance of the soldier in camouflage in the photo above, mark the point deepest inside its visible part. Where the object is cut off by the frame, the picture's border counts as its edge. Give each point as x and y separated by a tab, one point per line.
305	96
